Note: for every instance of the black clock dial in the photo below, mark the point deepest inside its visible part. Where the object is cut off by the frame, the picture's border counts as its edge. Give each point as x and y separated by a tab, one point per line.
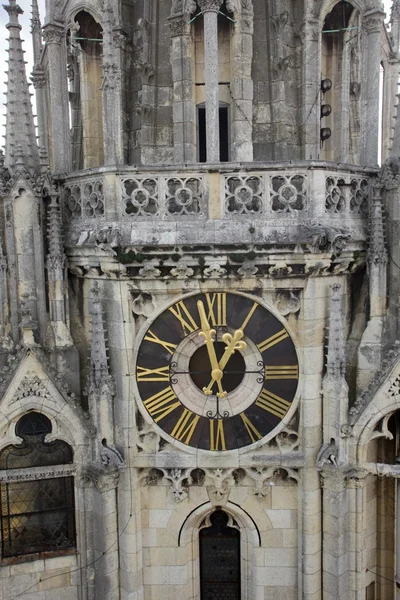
217	371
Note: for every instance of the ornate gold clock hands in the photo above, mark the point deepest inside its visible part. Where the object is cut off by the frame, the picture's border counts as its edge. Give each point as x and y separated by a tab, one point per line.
208	333
233	343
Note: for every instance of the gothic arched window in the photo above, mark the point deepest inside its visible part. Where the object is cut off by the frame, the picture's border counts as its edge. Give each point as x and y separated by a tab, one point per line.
220	559
37	508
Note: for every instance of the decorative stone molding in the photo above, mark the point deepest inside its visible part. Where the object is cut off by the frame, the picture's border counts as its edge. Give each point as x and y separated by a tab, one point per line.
222	480
149	271
35	473
327	455
288	302
142	304
209	5
215	271
391	358
267	477
182	272
382	430
148	440
373	21
31	386
111	458
111	76
248	270
219	482
383	470
104	481
53	34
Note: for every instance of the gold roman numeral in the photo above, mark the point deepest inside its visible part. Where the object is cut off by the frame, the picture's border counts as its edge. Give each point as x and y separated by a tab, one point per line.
273	404
273	340
254	434
217	309
282	372
161	374
181	312
162	404
217	435
185	427
151	337
250	314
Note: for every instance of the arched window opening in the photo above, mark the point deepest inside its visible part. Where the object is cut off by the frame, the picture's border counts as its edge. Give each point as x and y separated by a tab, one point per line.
224	78
85	73
37	515
220	558
340	106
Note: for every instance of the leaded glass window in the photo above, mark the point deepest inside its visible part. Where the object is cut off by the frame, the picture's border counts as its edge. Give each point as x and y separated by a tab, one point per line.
37	515
220	559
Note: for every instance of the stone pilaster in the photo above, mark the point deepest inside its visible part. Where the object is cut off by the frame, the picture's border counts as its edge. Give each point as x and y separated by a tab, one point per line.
113	48
58	92
242	85
184	110
371	346
105	533
356	484
210	10
335	539
372	25
310	116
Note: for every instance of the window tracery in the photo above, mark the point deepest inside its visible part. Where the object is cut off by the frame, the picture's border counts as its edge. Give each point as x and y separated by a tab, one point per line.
37	514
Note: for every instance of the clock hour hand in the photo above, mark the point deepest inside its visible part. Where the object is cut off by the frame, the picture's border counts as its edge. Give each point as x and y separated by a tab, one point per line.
233	343
208	334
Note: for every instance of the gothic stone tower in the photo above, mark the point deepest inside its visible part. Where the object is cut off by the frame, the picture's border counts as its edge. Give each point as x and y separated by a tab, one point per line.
199	302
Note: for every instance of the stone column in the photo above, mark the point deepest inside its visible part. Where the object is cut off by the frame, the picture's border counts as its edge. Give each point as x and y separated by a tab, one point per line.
242	85
372	25
58	89
113	47
335	527
310	116
106	534
356	482
38	79
210	10
398	541
183	74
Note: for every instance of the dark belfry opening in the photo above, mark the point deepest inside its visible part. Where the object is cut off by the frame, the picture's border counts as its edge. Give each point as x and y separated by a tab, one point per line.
223	133
340	33
220	559
85	72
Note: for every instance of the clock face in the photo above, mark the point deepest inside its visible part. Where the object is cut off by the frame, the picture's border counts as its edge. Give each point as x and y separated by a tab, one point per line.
217	371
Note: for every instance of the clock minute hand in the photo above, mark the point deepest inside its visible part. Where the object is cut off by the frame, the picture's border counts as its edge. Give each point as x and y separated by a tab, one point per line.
233	343
208	333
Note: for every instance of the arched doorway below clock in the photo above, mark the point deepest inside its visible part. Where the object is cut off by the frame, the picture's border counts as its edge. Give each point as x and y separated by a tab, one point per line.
220	558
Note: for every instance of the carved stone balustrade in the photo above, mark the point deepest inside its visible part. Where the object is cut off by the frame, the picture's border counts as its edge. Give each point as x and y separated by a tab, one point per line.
252	203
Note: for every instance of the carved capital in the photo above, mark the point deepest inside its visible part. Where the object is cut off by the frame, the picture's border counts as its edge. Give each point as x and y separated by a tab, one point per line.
179	26
53	34
373	21
209	5
38	78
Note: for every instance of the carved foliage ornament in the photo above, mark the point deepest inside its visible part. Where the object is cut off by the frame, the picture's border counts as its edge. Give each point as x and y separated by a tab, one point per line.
219	482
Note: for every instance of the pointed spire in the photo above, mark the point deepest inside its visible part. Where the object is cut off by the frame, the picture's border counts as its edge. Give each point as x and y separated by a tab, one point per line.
36	30
99	368
20	127
336	344
377	252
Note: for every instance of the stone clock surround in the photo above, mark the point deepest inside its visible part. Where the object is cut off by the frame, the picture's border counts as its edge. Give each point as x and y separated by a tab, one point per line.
196	398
